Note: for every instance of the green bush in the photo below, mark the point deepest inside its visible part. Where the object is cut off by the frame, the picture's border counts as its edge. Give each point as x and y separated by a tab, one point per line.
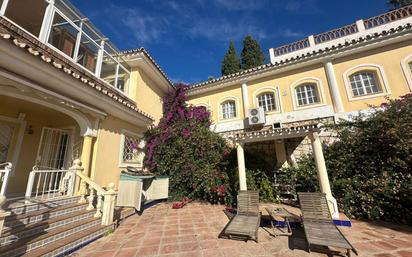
370	166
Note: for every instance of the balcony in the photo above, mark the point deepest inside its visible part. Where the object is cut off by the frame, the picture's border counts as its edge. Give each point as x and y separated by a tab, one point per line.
59	25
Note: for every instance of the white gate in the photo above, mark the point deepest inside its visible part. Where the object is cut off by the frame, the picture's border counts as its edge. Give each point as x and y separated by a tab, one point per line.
54	148
50	177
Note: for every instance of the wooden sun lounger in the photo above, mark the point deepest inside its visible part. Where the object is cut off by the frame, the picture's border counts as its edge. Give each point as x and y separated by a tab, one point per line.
318	223
245	224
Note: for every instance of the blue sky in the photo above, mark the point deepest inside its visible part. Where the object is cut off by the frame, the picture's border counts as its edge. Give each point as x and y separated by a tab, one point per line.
188	38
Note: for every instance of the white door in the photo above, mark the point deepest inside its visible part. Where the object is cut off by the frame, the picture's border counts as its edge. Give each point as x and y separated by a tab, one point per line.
53	152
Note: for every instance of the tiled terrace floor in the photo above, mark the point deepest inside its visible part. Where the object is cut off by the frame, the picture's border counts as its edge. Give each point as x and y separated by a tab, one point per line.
193	231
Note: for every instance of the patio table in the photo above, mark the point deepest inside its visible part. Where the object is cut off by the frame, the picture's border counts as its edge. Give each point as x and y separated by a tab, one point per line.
277	214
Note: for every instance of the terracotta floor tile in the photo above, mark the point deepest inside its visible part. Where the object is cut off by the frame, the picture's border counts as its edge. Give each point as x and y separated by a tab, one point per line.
147	251
405	253
166	249
104	254
126	252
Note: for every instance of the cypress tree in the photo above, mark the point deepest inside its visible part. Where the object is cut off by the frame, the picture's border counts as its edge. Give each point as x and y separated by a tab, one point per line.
230	63
252	55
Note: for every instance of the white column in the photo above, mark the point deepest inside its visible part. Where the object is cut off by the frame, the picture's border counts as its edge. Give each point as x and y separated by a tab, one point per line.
281	156
334	88
245	99
311	40
323	174
241	166
361	25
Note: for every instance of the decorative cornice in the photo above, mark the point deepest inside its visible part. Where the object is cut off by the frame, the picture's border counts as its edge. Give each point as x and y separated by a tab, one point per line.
23	40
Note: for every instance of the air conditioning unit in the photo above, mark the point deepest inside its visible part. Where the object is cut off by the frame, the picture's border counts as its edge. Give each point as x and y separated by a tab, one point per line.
256	116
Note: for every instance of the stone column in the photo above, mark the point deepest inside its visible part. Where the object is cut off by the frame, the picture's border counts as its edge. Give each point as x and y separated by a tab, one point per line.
323	174
281	155
241	166
85	159
334	88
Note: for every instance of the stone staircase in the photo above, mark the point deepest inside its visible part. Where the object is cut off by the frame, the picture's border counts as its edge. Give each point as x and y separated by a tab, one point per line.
52	228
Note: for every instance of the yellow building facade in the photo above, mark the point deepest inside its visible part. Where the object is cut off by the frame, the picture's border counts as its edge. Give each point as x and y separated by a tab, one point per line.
276	111
67	93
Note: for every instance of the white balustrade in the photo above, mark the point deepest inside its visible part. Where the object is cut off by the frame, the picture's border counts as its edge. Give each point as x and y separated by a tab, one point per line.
5	169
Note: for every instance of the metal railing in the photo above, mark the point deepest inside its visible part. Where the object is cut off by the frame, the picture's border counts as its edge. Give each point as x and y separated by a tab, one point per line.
5	169
336	33
388	17
49	184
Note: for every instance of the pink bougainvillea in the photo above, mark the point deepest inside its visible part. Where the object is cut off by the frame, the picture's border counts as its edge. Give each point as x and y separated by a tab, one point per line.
183	147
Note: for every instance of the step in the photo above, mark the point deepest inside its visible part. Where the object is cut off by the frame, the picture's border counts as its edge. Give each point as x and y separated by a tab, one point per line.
47	237
23	231
70	244
19	206
41	215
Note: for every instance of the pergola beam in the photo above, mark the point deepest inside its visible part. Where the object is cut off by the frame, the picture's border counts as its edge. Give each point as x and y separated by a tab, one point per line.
312	131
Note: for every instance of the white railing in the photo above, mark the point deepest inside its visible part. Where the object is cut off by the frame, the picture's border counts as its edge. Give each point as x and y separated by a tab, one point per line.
49	184
5	169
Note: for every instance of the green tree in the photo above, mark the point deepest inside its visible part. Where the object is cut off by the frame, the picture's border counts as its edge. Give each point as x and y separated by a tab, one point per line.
231	62
252	55
399	3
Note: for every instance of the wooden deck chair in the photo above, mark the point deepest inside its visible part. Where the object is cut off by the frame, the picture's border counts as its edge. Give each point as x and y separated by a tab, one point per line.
318	223
245	224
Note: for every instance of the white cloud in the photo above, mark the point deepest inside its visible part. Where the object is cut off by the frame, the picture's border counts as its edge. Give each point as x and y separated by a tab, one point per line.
143	27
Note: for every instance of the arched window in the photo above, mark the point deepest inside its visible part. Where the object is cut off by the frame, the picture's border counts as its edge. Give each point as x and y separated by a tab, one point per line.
410	66
364	83
228	109
307	94
267	101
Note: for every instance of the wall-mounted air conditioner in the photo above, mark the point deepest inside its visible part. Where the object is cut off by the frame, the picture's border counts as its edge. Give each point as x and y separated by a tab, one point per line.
256	116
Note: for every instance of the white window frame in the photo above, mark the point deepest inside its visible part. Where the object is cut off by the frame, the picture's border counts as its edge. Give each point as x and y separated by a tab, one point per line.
357	81
228	109
127	133
275	91
267	101
407	70
380	78
307	80
220	108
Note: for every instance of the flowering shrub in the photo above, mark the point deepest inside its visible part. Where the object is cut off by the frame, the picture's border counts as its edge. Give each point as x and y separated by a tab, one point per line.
370	166
183	147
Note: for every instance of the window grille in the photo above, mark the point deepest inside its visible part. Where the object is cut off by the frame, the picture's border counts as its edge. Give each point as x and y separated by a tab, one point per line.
6	134
132	152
